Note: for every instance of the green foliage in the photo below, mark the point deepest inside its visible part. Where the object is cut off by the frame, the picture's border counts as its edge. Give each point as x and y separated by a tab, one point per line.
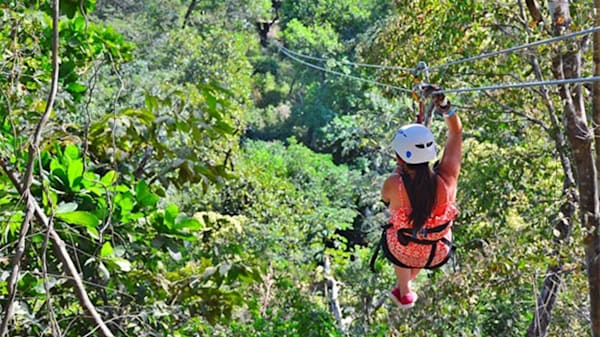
348	17
306	319
123	240
114	224
183	223
285	186
190	123
326	29
305	39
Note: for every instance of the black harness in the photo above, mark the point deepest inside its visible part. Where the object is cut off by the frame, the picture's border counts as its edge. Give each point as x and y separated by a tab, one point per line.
406	236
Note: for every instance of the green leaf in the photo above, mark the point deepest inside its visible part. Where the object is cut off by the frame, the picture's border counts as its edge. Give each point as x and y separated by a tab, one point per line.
66	208
83	218
144	196
121	263
106	250
93	233
79	23
58	170
75	172
224	127
72	152
151	102
76	88
109	178
49	198
185	222
125	202
211	101
171	213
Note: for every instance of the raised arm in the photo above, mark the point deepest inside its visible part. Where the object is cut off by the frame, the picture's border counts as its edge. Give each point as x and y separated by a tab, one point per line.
449	167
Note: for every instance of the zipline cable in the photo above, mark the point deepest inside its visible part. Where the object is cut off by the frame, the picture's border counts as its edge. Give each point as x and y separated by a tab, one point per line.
512	49
292	54
459	90
451	63
357	78
365	65
521	85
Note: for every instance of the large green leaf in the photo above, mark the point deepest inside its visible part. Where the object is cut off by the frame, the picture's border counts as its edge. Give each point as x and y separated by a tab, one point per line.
75	173
83	218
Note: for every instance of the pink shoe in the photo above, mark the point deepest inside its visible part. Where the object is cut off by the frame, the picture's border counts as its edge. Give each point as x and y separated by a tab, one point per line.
403	302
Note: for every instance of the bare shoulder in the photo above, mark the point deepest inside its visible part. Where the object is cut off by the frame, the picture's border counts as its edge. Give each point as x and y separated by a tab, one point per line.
389	186
392	179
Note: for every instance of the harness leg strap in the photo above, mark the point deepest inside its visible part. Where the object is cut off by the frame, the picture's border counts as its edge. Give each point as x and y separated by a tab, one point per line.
431	255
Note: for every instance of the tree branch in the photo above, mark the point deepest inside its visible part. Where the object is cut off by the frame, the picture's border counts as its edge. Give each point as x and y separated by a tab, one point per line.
189	12
518	113
560	142
52	317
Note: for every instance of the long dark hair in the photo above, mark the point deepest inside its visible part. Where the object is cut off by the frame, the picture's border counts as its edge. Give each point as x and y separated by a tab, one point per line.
422	191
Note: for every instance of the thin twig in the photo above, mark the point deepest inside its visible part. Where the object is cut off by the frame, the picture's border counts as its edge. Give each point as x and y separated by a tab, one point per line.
89	283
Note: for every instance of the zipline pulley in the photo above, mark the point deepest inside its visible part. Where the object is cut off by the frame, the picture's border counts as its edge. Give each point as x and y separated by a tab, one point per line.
421	80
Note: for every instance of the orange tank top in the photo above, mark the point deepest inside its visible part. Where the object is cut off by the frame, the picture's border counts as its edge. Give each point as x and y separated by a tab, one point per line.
444	210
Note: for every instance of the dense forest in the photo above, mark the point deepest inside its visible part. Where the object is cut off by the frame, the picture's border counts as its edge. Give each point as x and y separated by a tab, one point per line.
214	168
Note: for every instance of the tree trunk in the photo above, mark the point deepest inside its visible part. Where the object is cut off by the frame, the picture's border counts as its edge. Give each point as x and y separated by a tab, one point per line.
553	279
568	65
592	242
545	302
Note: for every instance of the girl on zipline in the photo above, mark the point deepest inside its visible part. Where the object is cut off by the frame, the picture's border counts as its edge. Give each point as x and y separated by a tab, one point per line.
421	200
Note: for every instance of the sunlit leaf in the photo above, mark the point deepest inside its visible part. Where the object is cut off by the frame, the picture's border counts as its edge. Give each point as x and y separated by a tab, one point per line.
123	264
83	218
106	249
66	208
75	172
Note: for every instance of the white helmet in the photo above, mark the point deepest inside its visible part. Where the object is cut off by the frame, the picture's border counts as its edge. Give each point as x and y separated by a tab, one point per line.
415	144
